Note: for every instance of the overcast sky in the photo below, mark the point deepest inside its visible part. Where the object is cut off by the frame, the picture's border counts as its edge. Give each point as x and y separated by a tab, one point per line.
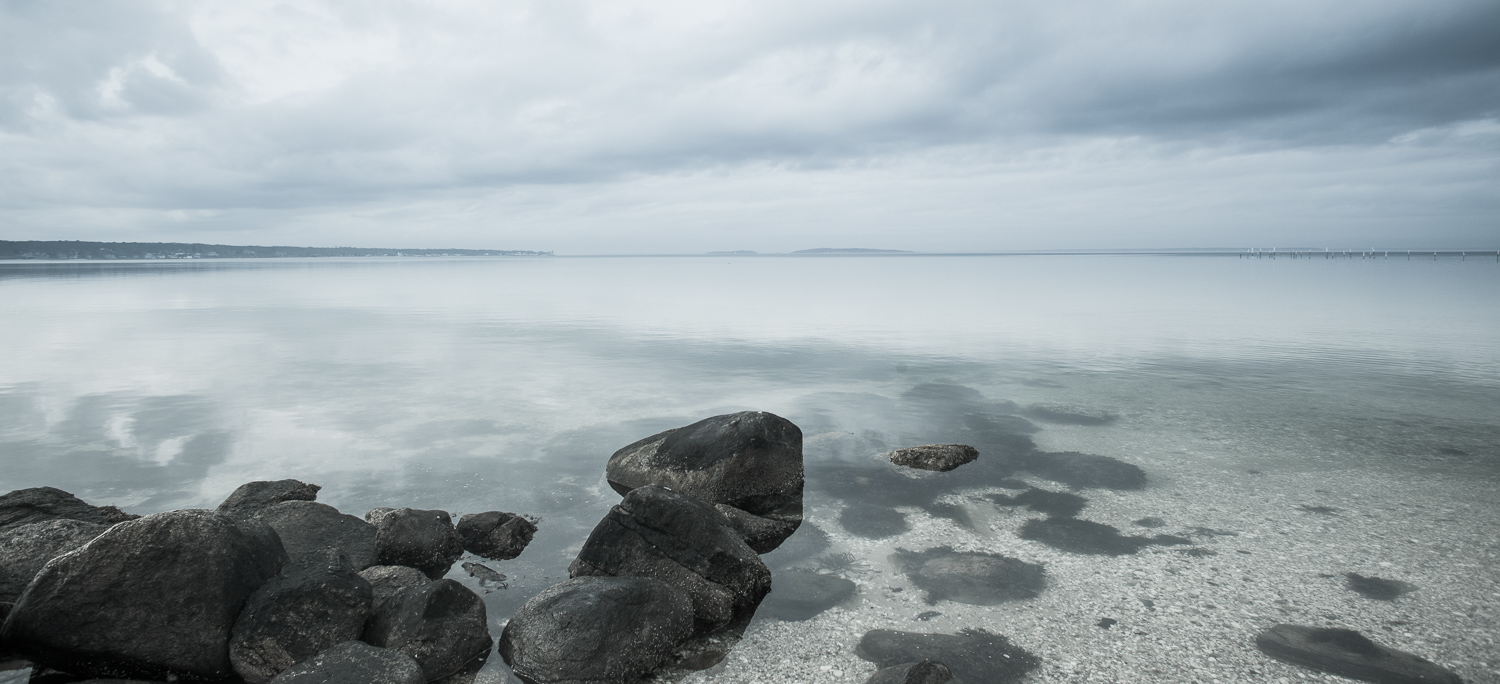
625	126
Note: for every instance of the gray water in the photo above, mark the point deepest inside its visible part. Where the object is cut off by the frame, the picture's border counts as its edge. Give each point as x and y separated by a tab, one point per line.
477	384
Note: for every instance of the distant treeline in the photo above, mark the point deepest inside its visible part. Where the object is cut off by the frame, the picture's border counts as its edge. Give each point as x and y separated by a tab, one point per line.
73	249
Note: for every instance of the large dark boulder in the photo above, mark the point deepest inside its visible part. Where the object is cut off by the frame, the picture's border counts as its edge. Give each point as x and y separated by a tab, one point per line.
1348	653
750	460
972	655
495	535
442	625
659	533
416	538
354	662
388	580
801	595
597	629
980	579
310	531
148	599
40	504
253	496
297	616
24	549
937	457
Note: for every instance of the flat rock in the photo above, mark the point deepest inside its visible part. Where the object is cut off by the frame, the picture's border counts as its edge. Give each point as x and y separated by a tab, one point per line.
750	460
1092	538
663	534
872	521
253	496
416	538
979	579
148	598
309	531
924	672
40	504
297	616
1085	470
495	535
1070	414
354	662
938	457
1348	653
441	624
597	629
801	595
972	655
1377	588
25	548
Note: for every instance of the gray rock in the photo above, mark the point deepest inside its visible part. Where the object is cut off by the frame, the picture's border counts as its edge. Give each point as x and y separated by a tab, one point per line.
147	599
388	580
488	577
938	457
420	539
25	548
761	534
253	496
924	672
801	595
354	662
979	579
310	530
972	655
750	460
659	533
441	624
597	629
40	504
495	535
297	616
1348	653
1378	588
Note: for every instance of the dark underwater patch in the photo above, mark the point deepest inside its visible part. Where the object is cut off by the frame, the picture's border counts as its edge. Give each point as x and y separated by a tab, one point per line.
1087	537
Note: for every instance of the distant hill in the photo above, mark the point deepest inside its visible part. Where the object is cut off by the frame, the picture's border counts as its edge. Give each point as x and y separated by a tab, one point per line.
735	251
73	249
851	250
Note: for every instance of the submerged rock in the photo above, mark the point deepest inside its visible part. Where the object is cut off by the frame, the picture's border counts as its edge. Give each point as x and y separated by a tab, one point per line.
1068	413
297	616
980	579
1088	537
924	672
309	531
25	548
253	496
416	538
801	595
1061	504
147	599
1377	588
872	521
40	504
495	535
750	460
597	629
442	625
1085	470
937	457
354	662
1348	653
488	577
973	655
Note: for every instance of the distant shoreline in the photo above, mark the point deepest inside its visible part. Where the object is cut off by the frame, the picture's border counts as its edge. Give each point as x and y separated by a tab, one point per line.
70	250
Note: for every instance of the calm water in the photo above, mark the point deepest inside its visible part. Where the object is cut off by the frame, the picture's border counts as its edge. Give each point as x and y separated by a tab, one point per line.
479	384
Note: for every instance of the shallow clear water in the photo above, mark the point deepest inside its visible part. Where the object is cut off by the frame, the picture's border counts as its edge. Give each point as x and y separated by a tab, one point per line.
480	384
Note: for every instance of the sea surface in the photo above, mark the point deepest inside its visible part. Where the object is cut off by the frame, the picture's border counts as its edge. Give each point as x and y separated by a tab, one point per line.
473	384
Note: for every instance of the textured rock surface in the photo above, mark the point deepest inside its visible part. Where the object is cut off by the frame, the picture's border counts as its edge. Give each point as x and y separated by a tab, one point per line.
972	655
441	624
980	579
659	533
761	534
253	496
750	460
40	504
924	672
801	595
354	662
1348	653
296	616
938	457
25	548
148	598
388	580
495	535
310	530
416	538
597	629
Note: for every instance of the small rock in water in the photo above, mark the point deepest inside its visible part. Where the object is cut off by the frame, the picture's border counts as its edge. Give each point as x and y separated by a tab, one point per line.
872	521
1151	522
973	655
801	595
1088	537
1106	623
495	535
980	579
1042	501
421	539
1377	587
924	672
926	615
937	457
1348	653
25	548
253	496
487	576
354	662
1068	413
1085	470
40	504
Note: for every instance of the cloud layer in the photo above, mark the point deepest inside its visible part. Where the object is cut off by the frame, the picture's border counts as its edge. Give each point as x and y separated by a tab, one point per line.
643	126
